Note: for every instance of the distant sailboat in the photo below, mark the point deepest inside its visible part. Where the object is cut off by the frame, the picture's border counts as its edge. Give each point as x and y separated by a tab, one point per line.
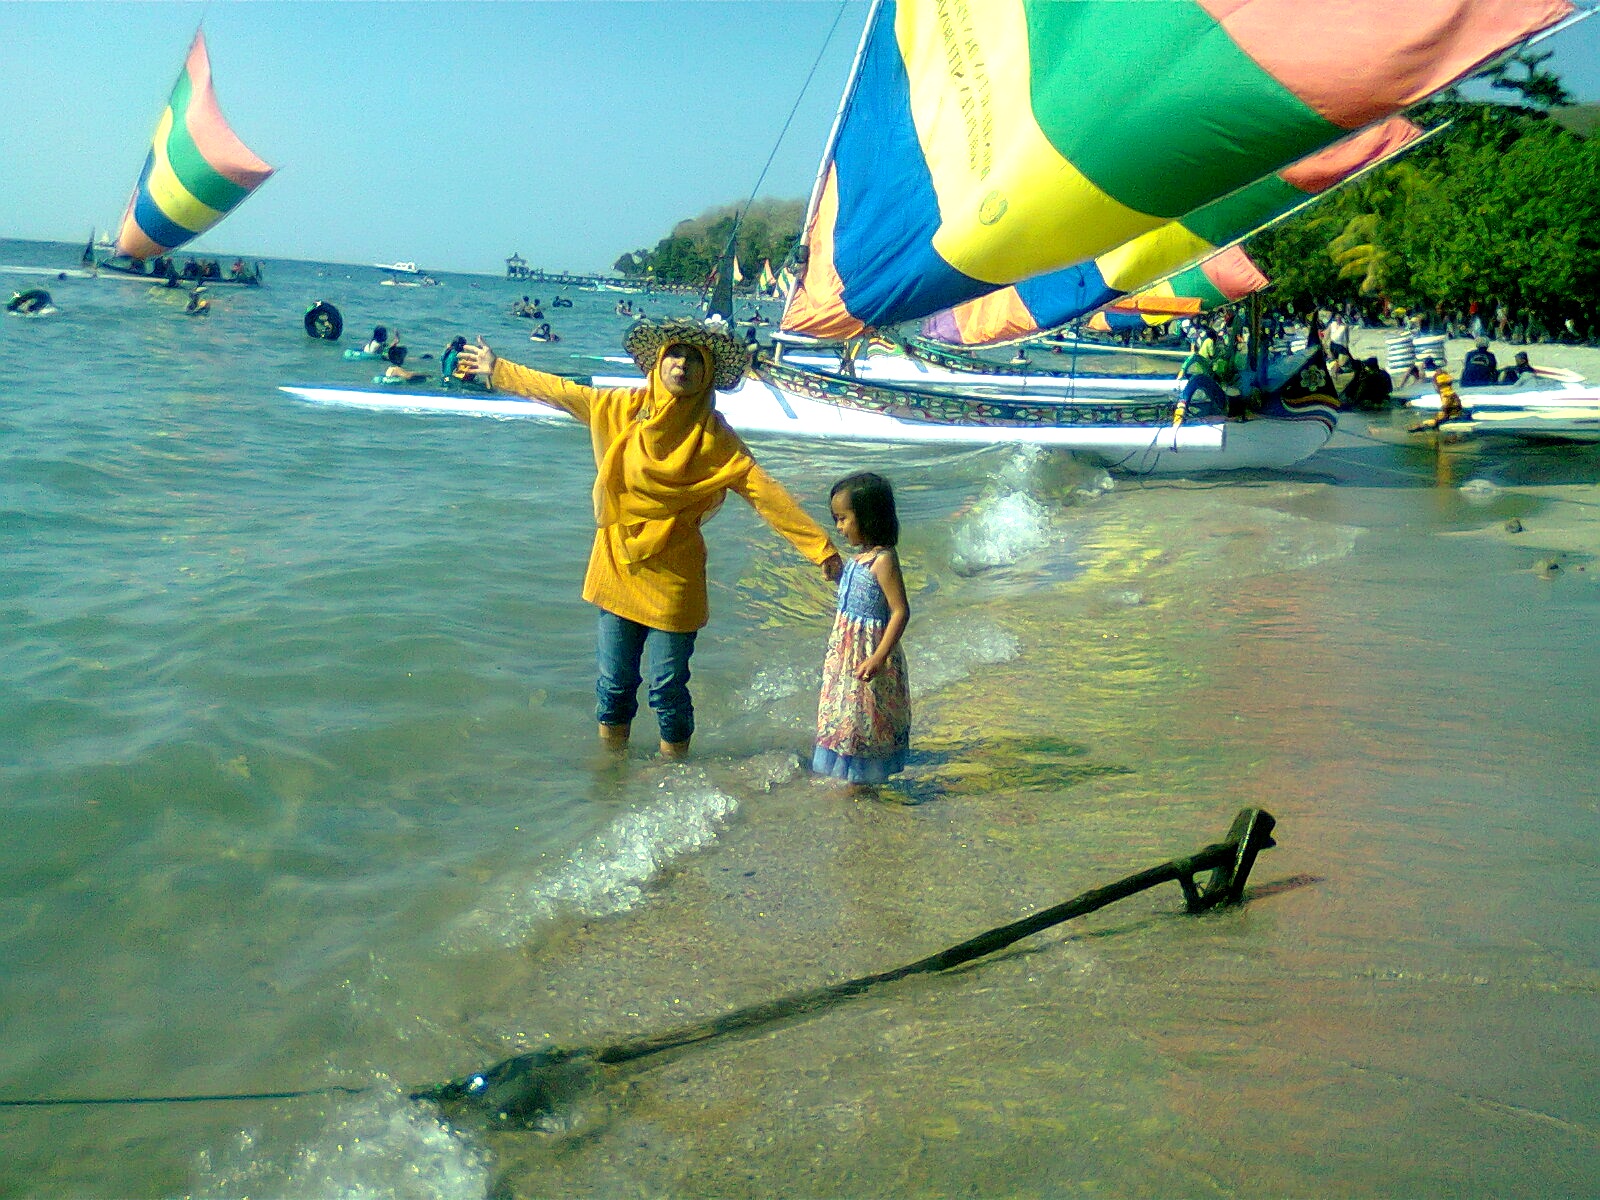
197	172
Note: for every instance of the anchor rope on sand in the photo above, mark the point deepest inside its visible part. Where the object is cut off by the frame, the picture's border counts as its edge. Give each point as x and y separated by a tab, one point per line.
527	1089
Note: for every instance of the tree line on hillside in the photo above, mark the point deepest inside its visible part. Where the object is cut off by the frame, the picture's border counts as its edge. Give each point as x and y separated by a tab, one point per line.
768	230
1500	211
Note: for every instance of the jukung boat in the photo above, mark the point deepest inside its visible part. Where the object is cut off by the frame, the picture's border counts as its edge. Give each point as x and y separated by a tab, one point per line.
790	402
196	173
979	149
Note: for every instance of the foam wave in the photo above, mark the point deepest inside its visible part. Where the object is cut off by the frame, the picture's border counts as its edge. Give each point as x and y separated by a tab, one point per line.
998	532
772	684
1015	516
608	873
379	1147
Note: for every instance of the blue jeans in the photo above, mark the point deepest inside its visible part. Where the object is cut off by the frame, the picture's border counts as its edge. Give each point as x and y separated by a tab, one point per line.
620	648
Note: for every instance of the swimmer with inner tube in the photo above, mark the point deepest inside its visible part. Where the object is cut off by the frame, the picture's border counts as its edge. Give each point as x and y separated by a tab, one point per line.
34	300
379	343
544	334
397	371
323	321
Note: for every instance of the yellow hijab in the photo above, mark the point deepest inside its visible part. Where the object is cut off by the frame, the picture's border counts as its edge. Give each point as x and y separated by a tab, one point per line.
677	456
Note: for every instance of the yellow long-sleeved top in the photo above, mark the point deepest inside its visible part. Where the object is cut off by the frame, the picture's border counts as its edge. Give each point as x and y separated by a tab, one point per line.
667	589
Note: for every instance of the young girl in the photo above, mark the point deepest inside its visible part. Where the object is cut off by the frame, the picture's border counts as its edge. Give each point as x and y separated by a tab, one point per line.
864	716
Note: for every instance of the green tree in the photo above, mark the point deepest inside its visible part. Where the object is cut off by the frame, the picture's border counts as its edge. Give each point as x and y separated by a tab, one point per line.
1521	225
768	230
1363	248
1498	207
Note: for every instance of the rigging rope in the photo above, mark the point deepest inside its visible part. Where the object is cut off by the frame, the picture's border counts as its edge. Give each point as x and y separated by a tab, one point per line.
87	1101
738	214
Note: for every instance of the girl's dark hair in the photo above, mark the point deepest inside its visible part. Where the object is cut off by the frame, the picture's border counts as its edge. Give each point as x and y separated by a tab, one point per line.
872	501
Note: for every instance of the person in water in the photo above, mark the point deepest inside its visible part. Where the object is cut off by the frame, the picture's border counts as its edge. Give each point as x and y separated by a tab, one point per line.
31	301
378	344
664	462
864	710
1449	401
543	334
1370	387
451	355
397	371
198	305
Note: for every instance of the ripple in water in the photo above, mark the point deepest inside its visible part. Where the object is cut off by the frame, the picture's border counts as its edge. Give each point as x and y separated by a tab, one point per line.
682	812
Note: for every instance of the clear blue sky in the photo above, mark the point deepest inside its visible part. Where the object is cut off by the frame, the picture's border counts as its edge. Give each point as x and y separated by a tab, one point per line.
447	133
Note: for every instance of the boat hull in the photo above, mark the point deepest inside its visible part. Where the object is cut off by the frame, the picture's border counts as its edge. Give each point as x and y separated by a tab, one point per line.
107	270
759	409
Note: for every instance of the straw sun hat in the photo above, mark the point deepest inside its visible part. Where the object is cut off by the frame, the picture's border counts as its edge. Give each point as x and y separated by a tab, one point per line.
729	356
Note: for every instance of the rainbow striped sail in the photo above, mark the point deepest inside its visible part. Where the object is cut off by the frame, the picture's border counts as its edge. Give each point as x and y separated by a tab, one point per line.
197	171
985	142
1060	296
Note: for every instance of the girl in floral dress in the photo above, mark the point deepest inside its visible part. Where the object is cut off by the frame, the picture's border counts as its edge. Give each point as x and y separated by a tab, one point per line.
864	715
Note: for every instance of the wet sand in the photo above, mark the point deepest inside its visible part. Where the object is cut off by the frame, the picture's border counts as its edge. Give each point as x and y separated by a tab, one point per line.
1568	523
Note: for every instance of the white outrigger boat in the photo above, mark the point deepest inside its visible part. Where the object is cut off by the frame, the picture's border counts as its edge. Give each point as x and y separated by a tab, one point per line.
1145	435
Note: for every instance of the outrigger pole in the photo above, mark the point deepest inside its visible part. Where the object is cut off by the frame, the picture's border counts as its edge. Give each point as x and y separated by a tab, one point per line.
527	1090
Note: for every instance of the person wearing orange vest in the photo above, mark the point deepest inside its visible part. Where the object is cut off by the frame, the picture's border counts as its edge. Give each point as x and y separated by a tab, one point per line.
1449	401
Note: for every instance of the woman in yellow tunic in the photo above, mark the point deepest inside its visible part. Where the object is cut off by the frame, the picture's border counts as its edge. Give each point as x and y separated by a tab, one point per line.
664	460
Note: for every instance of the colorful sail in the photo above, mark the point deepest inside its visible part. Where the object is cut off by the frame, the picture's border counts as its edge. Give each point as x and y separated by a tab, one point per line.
197	170
1061	296
1225	278
982	144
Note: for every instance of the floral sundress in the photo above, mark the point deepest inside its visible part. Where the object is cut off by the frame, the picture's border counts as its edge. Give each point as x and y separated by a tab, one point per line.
863	729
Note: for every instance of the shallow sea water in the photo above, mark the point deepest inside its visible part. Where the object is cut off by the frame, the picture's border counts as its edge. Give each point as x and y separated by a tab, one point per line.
295	755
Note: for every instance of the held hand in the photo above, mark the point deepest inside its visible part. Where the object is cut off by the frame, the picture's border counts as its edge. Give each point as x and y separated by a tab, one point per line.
476	359
868	669
832	568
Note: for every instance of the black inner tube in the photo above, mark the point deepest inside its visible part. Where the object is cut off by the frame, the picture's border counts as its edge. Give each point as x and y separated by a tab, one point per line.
29	301
323	321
